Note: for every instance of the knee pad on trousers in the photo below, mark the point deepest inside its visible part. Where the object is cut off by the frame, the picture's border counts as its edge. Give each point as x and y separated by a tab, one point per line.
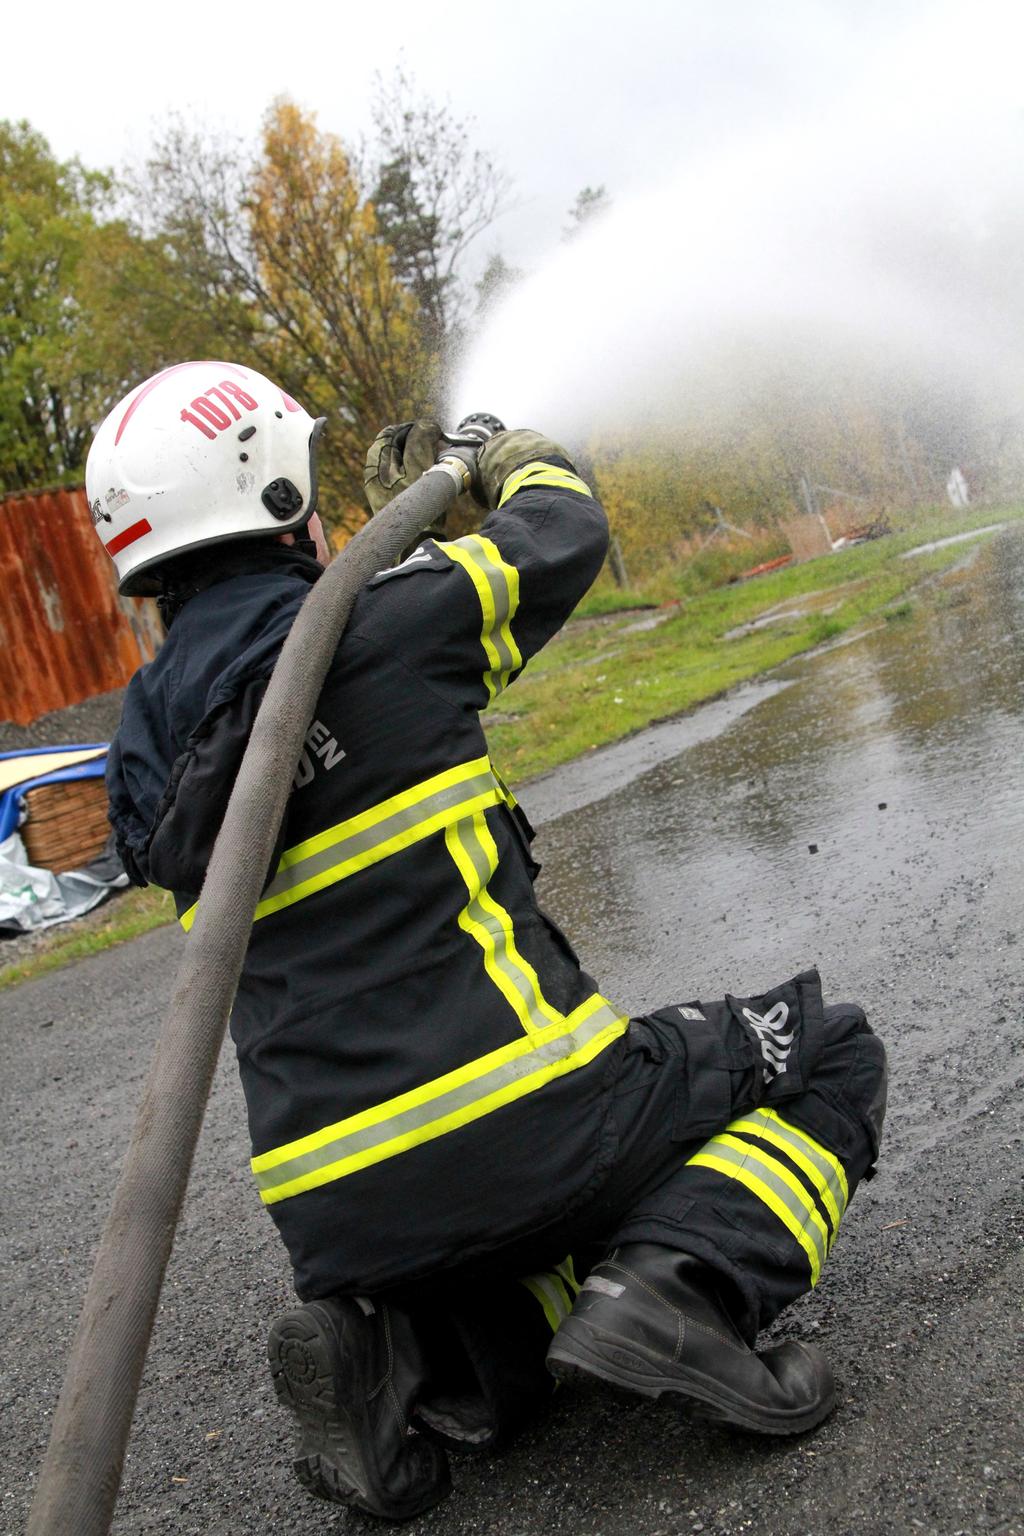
844	1105
821	1067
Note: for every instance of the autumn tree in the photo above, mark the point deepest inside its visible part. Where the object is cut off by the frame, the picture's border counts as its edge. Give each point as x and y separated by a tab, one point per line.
286	261
494	284
346	328
590	203
435	193
291	260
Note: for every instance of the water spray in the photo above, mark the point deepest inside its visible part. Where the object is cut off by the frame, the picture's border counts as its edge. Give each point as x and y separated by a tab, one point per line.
873	239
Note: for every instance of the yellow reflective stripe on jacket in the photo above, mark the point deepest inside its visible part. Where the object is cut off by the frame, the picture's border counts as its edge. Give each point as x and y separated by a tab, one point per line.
497	589
374	834
775	1186
540	474
503	789
824	1171
476	857
438	1107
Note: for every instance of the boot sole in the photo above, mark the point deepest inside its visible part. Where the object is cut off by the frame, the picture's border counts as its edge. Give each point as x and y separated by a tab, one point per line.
331	1466
587	1357
302	1369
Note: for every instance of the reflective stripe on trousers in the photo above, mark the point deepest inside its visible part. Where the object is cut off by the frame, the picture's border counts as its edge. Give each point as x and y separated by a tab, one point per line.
555	1291
805	1187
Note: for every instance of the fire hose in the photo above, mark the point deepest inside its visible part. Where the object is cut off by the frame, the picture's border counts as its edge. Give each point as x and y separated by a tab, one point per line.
81	1471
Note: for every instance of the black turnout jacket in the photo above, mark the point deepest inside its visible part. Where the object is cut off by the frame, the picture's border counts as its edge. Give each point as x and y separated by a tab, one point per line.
426	1068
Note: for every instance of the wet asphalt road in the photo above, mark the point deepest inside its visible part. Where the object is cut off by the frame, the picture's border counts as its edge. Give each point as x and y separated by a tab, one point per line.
680	862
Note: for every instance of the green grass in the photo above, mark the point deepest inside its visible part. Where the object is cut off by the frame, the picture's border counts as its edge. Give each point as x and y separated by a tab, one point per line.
123	917
600	679
604	598
596	683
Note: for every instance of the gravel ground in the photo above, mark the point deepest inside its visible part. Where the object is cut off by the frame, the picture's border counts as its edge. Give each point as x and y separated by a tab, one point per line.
92	720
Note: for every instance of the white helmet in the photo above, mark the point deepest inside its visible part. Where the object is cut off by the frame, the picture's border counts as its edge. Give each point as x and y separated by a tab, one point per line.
200	453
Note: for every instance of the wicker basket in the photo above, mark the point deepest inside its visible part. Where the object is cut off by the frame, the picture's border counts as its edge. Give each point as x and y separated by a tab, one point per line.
66	825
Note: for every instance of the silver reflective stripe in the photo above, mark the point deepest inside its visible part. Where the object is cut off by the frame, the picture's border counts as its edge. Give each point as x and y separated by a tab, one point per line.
799	1205
436	1109
355	844
832	1181
497	588
603	1287
540	475
483	920
500	637
376	833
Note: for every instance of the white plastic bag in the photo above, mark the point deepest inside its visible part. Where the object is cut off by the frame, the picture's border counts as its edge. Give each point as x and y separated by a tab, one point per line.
33	898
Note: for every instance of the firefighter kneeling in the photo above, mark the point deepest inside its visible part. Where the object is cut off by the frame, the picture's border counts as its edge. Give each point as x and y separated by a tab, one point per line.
485	1174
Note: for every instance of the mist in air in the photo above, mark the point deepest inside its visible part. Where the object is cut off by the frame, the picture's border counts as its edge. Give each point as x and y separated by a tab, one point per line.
878	236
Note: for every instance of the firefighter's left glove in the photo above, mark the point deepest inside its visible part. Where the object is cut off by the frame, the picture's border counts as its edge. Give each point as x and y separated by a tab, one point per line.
398	456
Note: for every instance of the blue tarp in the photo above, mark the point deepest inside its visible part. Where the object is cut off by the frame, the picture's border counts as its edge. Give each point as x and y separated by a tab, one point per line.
10	799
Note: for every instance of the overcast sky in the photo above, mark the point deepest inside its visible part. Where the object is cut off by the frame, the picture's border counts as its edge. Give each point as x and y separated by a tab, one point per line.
563	93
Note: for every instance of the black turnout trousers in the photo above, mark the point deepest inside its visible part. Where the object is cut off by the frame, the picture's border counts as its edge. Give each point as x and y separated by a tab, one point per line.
744	1127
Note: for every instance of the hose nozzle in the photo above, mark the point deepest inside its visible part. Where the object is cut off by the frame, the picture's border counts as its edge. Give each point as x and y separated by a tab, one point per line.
459	454
477	428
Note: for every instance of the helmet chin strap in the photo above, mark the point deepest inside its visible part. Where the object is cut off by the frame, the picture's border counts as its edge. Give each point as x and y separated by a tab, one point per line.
178	585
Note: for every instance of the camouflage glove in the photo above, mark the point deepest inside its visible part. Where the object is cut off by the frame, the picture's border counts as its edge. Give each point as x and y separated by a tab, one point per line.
508	451
398	456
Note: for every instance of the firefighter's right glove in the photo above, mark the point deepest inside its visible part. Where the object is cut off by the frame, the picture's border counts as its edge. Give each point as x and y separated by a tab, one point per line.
398	456
508	451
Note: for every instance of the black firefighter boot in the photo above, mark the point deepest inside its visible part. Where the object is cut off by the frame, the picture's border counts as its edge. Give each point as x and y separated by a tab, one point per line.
651	1320
348	1369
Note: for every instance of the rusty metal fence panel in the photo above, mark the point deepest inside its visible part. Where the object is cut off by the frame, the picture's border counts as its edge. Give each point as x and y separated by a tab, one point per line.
65	635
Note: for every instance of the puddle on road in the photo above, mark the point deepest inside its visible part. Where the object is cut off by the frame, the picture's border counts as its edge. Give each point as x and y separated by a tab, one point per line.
613	768
823	602
897	759
954	538
651	620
